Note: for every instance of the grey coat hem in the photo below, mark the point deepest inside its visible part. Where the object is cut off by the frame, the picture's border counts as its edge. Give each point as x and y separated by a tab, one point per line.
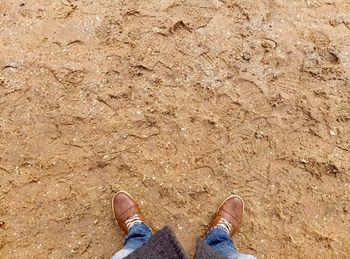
164	245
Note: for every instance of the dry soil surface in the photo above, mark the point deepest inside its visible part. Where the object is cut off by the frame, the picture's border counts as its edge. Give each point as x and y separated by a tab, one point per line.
180	103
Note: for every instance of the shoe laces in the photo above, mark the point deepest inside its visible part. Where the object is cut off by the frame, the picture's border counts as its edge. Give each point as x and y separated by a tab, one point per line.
225	224
134	219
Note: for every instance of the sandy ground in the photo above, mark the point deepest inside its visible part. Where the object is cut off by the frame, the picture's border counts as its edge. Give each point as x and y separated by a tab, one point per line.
180	103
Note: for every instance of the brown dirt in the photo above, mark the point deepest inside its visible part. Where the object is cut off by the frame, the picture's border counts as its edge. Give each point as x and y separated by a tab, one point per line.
180	103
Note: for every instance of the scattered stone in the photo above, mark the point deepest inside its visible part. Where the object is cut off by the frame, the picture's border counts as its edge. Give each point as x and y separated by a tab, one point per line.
332	132
259	135
2	224
332	169
246	56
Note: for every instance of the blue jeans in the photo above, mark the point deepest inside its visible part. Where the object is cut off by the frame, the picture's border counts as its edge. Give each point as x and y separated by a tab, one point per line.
219	240
216	238
138	234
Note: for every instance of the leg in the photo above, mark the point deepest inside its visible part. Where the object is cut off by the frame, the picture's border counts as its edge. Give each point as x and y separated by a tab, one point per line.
138	234
218	239
128	216
226	222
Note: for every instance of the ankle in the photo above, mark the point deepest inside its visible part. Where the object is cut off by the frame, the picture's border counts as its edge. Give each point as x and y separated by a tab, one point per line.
133	221
225	225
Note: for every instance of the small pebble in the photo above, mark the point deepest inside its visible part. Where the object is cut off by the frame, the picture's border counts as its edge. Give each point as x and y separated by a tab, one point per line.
246	56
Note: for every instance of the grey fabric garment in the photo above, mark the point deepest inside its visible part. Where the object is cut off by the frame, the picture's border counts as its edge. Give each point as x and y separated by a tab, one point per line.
203	251
164	245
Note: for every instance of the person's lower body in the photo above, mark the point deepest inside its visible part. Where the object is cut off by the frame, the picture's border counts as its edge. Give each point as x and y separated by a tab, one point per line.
225	224
220	241
217	238
137	235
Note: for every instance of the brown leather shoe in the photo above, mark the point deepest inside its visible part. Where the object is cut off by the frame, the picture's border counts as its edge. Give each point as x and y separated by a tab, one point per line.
125	210
229	214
